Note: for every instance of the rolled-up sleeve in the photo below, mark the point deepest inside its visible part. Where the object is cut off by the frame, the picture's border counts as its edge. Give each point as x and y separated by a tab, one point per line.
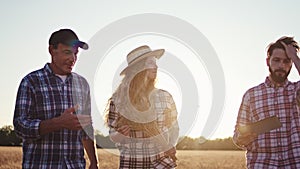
172	117
24	125
89	130
112	120
243	118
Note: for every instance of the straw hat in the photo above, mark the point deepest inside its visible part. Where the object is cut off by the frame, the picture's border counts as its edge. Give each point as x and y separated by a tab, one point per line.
139	54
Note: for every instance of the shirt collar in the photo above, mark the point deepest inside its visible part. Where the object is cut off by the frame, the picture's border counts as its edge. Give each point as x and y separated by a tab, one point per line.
269	83
49	71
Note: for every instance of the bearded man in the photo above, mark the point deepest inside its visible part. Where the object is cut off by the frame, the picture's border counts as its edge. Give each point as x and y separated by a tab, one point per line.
277	147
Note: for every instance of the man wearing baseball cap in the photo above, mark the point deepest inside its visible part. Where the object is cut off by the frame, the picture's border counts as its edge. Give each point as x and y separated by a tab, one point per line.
53	110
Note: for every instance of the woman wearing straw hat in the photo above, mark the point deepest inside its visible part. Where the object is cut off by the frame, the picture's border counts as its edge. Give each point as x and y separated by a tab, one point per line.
143	119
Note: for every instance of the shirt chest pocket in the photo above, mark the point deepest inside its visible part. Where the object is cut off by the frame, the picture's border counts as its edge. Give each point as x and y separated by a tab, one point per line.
281	103
46	102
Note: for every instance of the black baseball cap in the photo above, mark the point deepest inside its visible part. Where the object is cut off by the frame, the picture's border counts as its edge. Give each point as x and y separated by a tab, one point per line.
67	37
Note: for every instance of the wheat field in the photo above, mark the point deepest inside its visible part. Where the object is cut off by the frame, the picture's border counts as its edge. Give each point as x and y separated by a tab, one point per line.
11	158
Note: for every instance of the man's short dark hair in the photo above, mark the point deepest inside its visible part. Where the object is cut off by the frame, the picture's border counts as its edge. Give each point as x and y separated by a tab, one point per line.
287	40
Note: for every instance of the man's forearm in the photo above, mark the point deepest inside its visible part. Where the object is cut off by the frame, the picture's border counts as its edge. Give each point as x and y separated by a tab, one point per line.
48	126
90	149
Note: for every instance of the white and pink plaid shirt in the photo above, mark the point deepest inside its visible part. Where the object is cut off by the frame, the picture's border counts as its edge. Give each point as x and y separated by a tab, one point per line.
278	148
137	152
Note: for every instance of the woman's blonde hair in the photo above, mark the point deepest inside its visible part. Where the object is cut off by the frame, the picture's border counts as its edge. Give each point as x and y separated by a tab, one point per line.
139	90
140	87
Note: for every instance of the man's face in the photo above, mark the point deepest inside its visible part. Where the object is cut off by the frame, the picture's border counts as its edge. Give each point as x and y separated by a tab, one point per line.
279	65
63	59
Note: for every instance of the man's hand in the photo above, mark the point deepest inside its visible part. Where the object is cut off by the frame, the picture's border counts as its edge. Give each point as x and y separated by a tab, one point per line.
72	121
93	166
67	120
91	150
245	139
290	51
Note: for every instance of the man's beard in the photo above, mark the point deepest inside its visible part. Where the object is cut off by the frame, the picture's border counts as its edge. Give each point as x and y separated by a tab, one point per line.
279	78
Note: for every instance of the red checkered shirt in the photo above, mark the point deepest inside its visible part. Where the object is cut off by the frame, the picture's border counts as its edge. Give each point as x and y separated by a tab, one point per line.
278	148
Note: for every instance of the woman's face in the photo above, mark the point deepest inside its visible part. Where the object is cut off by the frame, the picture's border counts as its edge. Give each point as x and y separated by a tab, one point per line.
151	68
152	73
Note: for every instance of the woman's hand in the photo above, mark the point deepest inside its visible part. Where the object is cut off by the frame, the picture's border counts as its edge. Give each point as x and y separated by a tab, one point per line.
121	134
125	130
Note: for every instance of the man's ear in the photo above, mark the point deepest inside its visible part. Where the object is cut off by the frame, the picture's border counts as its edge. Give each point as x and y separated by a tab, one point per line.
268	61
51	50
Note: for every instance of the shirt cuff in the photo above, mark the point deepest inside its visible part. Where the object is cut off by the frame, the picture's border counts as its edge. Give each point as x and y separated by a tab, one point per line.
35	129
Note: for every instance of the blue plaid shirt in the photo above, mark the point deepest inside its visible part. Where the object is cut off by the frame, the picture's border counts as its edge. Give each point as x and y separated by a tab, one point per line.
42	95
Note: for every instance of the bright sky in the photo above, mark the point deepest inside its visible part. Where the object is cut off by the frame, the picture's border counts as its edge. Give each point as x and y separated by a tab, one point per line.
238	31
